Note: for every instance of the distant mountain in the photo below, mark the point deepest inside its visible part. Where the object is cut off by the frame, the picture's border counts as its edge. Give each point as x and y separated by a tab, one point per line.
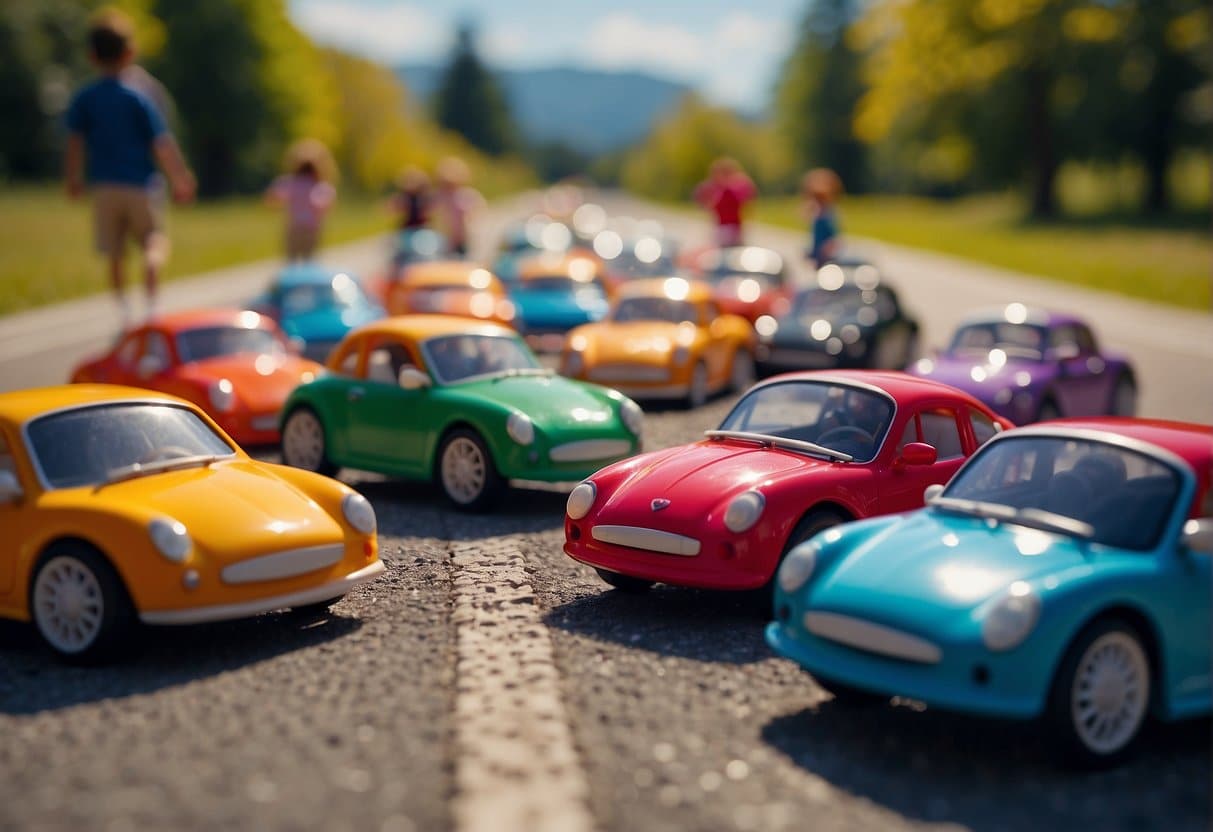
592	111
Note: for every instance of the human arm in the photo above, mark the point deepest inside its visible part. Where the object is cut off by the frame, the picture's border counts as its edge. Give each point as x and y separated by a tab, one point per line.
180	177
73	165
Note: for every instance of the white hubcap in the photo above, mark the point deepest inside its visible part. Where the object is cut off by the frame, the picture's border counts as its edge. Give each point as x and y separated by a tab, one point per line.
68	606
1110	692
463	470
303	441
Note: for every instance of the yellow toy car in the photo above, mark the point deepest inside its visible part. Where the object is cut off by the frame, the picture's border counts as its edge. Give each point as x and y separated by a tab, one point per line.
121	505
663	338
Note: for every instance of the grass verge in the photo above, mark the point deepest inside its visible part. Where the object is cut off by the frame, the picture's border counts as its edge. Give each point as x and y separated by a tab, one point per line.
1167	261
46	246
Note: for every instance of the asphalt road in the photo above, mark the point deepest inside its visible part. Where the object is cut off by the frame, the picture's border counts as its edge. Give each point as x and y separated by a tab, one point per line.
487	681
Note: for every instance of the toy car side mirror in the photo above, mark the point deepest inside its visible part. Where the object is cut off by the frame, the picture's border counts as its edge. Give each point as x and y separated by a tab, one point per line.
931	492
10	489
917	453
411	378
1197	536
149	365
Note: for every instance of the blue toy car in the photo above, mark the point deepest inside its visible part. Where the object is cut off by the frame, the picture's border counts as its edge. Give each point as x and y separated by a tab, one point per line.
554	293
317	305
1063	573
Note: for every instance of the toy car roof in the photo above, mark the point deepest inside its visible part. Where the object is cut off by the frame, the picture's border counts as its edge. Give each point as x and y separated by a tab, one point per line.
421	327
309	274
19	406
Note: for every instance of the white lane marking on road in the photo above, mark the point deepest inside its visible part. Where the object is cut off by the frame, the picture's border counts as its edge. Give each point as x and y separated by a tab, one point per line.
516	768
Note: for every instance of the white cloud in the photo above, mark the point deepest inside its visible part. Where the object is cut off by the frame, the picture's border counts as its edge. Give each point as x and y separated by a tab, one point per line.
624	41
388	33
506	45
732	62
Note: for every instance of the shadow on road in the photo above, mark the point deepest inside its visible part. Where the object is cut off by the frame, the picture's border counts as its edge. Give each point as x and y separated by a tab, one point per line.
721	627
941	767
411	509
33	680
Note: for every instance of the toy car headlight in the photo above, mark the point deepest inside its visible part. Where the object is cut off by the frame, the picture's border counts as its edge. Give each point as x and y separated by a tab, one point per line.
743	512
632	415
222	395
798	567
581	499
520	428
1010	618
681	354
358	513
170	538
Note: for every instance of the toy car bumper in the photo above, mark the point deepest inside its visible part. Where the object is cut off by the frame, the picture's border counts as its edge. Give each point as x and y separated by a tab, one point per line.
714	564
966	681
246	609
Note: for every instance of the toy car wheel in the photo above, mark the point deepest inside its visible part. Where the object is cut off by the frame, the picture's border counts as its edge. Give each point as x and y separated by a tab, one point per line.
848	696
624	583
815	521
1048	410
1124	397
466	472
742	374
79	604
1101	695
697	394
303	443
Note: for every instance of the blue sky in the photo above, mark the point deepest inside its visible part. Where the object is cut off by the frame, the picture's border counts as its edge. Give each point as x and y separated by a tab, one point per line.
730	50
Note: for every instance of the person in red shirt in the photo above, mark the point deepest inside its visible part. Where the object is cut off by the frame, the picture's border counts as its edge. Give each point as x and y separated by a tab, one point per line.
724	192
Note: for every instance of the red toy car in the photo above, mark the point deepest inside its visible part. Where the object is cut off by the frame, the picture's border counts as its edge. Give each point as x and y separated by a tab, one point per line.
236	365
798	453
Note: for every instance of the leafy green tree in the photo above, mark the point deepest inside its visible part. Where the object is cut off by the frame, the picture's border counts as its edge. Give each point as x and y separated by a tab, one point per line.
471	102
246	83
819	90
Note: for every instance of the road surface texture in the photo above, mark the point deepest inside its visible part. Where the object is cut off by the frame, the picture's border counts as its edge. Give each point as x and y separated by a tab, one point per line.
487	682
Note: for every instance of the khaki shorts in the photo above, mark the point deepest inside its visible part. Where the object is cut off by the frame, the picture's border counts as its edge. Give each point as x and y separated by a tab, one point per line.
122	211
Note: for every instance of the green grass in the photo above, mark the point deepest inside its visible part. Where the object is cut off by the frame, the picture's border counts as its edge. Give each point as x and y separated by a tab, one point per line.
46	246
1167	261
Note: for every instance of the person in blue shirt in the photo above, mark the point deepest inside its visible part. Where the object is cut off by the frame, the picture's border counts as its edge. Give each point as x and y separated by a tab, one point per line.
821	188
119	135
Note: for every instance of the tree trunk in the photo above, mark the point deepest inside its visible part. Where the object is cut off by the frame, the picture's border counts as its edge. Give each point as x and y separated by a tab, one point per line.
1041	148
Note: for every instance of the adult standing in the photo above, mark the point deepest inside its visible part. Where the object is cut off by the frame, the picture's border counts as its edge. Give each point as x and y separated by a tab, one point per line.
120	135
455	201
821	188
725	192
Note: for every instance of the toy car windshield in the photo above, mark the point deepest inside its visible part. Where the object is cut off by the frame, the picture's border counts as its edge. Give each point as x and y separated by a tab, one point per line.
654	309
1123	496
849	420
459	357
94	445
213	342
1022	340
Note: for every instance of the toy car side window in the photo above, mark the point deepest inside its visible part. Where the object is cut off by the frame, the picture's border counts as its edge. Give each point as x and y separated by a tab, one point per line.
7	461
940	430
128	353
1063	340
1085	339
385	361
347	358
156	346
910	434
984	428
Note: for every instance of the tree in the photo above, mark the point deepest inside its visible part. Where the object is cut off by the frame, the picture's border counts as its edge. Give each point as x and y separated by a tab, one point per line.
246	83
470	101
819	90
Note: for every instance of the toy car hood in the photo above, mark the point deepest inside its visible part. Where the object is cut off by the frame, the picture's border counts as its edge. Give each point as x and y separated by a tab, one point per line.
932	563
551	402
255	508
692	477
969	373
640	342
261	382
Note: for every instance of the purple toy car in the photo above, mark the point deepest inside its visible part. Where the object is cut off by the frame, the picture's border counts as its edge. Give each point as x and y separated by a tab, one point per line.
1030	365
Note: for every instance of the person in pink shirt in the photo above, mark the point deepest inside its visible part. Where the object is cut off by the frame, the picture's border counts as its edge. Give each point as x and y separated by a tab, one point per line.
726	190
307	194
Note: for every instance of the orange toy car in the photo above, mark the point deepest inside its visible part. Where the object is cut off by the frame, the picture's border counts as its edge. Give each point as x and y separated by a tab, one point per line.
236	365
450	287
